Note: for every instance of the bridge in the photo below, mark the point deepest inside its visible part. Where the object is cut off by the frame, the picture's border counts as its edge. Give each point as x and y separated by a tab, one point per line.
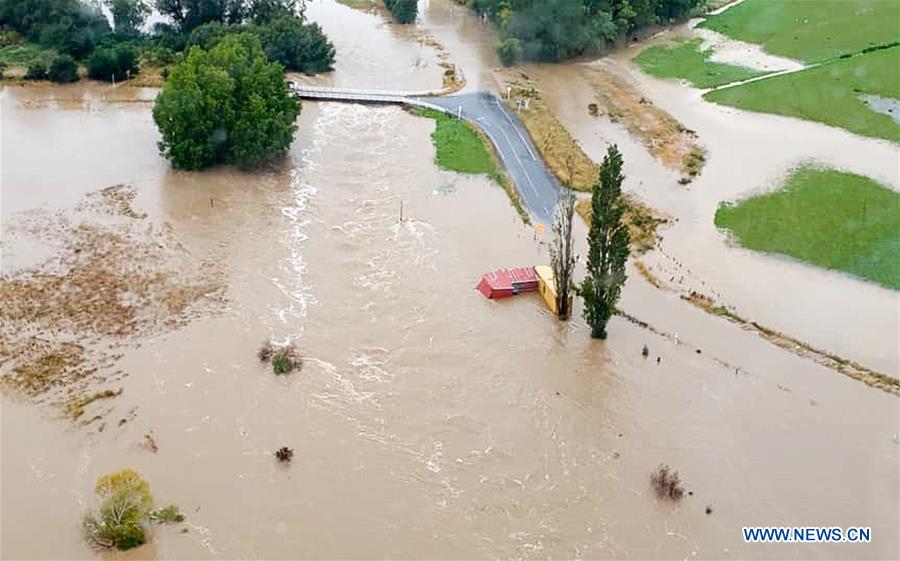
535	183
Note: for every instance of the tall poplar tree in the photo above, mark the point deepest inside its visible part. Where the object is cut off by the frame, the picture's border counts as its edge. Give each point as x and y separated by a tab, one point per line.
607	246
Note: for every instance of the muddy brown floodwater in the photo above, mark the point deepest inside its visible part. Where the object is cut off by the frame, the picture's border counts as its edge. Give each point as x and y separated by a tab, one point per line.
427	422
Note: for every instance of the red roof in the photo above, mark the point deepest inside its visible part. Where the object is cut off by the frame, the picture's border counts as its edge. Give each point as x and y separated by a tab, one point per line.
507	282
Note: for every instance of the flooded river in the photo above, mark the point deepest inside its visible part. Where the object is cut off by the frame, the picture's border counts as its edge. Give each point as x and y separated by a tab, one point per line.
427	421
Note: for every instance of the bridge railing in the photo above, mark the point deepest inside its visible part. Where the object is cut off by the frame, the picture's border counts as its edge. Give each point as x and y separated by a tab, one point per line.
394	97
302	88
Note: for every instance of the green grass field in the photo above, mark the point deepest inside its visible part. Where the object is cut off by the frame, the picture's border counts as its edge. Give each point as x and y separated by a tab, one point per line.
825	217
684	60
458	146
811	30
827	94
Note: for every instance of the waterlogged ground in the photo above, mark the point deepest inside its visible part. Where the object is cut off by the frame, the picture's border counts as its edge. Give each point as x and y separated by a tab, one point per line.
427	421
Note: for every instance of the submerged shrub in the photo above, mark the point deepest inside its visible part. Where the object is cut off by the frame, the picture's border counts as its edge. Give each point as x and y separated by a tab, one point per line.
281	364
286	360
125	505
667	483
167	515
265	352
226	106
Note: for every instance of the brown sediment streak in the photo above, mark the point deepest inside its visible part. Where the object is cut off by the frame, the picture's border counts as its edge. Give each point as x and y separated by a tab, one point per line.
118	276
845	366
668	140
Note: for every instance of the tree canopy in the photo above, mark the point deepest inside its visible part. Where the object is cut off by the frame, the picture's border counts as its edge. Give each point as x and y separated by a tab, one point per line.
228	105
403	11
69	26
607	246
128	15
79	28
551	30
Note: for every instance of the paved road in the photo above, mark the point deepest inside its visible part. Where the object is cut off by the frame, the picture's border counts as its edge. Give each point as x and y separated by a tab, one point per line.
535	183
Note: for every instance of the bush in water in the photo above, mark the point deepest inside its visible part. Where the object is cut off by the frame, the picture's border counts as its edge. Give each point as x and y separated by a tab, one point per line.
667	483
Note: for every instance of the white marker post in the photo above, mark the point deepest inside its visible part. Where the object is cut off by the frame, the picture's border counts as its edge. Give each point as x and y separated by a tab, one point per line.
459	112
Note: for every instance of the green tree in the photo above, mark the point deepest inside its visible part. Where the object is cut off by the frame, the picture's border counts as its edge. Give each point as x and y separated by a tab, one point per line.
298	46
63	70
188	14
117	62
403	11
266	10
126	503
227	105
128	15
509	50
607	246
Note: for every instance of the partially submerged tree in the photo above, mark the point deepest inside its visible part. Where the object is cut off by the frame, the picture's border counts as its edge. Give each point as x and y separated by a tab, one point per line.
403	11
562	250
667	483
228	105
126	506
118	62
285	359
608	246
298	46
63	69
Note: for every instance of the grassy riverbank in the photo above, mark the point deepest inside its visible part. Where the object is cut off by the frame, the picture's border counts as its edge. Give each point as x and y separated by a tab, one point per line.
684	59
850	41
810	30
24	54
461	148
828	94
560	151
825	217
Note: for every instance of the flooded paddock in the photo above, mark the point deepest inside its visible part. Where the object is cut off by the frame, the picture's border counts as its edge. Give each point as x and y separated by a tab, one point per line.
428	422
